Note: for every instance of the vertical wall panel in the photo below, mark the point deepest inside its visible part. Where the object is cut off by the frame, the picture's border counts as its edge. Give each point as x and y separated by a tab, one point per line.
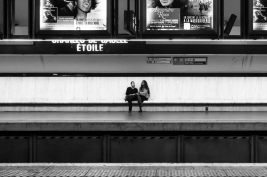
217	150
143	149
14	149
70	149
21	17
122	8
1	16
262	149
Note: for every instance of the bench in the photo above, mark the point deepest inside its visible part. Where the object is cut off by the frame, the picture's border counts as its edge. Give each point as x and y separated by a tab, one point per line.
149	106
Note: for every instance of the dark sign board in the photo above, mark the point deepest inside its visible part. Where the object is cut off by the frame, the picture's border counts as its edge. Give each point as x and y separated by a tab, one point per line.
125	47
190	61
179	16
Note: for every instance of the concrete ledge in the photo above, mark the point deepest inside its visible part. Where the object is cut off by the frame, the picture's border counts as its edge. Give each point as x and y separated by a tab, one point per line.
149	106
124	121
133	126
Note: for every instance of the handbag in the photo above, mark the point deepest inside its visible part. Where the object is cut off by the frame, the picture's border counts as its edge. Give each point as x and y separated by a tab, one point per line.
129	97
145	94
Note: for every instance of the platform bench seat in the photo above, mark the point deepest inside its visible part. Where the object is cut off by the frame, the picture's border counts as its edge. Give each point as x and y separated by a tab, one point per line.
121	105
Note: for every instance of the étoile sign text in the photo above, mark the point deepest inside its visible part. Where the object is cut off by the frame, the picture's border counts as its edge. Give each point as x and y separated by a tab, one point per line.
89	45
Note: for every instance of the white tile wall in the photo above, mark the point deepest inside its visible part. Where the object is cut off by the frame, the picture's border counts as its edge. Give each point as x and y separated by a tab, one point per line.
112	89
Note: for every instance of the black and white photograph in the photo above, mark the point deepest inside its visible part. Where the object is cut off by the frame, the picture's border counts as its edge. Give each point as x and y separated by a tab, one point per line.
133	88
163	14
197	14
259	15
179	15
73	15
50	15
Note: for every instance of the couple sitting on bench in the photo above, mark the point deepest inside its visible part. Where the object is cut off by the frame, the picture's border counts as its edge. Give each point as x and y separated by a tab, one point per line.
132	94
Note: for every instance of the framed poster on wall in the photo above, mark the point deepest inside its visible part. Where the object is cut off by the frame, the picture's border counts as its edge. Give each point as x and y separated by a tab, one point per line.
257	17
73	16
179	16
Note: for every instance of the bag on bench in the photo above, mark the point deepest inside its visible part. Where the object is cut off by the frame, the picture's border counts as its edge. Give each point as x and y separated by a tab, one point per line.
130	97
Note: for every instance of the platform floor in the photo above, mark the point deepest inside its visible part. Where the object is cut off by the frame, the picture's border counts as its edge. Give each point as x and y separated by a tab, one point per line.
133	170
124	121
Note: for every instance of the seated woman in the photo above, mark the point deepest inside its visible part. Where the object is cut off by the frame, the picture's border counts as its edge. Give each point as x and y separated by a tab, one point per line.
143	94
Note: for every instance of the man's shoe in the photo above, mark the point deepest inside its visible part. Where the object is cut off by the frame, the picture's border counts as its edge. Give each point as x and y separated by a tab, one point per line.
140	111
129	111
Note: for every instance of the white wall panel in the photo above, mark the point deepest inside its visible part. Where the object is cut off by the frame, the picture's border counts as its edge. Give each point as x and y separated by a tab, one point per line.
127	64
112	89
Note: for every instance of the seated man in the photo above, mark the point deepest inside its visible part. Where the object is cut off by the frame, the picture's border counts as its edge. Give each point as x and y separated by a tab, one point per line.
131	94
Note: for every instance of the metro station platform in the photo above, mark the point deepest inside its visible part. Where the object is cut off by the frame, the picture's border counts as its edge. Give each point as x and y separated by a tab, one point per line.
133	170
135	121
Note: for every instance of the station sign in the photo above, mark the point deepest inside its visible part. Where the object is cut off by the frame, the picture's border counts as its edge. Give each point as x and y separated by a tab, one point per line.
87	46
190	61
159	60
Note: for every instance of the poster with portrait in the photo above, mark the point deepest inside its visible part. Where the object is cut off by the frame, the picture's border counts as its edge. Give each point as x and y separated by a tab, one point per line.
197	14
259	14
73	15
163	15
179	14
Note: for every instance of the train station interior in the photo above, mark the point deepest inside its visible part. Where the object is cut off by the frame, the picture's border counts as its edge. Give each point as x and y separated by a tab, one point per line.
133	88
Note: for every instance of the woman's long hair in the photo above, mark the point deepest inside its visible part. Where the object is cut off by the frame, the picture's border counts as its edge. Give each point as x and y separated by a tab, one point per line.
145	86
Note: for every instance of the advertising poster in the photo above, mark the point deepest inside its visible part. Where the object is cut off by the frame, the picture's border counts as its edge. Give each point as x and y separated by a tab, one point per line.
179	14
259	14
73	15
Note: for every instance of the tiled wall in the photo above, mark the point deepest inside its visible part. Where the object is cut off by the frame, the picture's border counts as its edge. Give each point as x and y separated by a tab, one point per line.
112	89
